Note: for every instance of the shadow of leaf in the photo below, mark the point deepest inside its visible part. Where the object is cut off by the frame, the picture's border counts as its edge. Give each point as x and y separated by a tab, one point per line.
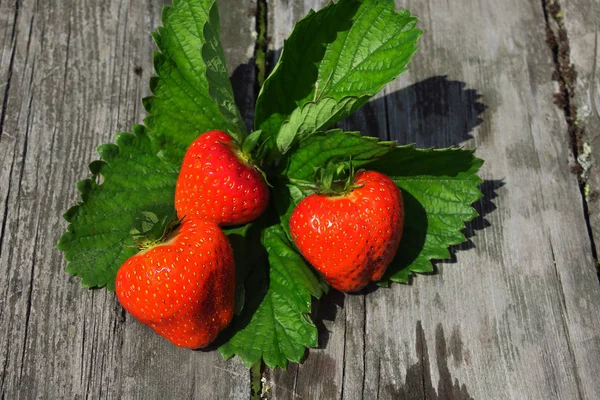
435	112
484	207
419	383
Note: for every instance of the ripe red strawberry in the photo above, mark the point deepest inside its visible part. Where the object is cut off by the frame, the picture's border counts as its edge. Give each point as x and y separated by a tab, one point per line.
218	182
184	288
351	238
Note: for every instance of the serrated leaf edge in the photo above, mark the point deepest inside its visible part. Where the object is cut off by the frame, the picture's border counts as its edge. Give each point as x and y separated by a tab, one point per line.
476	163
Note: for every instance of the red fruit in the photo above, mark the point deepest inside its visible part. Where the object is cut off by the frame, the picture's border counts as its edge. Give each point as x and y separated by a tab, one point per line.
351	238
184	288
218	183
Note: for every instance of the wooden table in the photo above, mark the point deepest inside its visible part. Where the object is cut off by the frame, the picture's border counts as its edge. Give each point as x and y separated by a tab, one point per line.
514	315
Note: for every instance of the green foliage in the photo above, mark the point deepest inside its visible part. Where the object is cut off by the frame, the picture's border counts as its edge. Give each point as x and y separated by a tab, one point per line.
98	239
250	142
276	326
334	60
192	93
310	118
332	146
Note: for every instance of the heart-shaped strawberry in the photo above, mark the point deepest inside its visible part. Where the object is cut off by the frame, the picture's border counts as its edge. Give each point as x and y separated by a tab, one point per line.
219	183
351	237
184	288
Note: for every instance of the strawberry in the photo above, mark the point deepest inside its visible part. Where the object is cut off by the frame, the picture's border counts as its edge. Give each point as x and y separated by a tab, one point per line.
183	288
351	237
218	182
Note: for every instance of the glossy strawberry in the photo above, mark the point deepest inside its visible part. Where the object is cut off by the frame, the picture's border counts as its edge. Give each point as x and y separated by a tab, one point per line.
218	182
351	238
184	288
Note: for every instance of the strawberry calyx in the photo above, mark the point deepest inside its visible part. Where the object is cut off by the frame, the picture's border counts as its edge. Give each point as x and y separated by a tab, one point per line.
250	142
332	180
149	230
247	159
244	152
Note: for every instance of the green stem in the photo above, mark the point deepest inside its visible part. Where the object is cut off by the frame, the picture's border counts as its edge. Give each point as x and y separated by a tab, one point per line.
255	384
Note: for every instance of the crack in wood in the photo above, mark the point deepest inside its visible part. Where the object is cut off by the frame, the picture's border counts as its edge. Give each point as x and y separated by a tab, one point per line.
344	353
364	337
378	379
193	390
4	372
558	41
421	349
28	309
294	388
594	67
2	234
5	213
564	321
10	69
82	359
91	356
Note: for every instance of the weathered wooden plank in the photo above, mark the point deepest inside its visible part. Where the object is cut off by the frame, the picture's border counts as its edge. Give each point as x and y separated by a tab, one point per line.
515	316
7	30
580	21
79	72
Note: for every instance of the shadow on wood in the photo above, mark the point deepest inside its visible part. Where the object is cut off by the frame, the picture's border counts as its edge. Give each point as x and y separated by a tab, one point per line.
418	383
245	91
326	309
484	207
435	112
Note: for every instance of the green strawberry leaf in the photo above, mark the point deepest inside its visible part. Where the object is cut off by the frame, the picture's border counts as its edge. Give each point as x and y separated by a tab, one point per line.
312	117
438	188
331	64
275	325
250	142
192	93
334	146
136	183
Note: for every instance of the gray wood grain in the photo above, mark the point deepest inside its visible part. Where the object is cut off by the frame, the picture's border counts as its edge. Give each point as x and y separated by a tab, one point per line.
72	74
516	314
581	21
